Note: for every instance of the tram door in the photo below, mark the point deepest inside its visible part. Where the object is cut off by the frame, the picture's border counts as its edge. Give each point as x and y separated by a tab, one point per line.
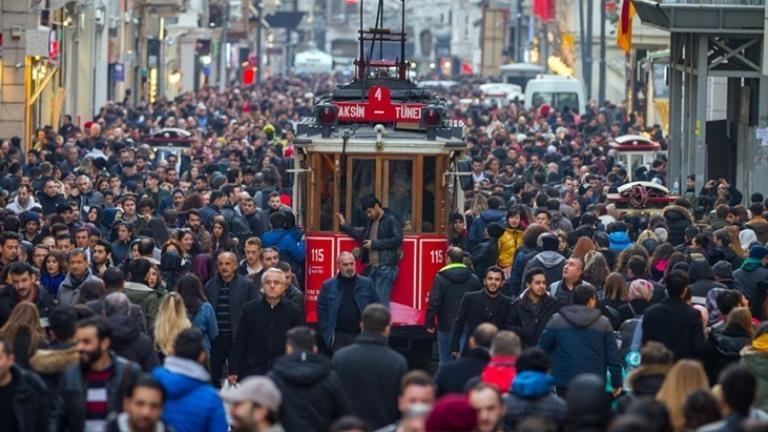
411	187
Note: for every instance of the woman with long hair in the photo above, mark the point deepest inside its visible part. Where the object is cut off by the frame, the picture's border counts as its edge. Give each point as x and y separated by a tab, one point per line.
595	269
53	272
615	298
626	254
199	311
171	320
24	332
685	377
724	346
660	261
221	241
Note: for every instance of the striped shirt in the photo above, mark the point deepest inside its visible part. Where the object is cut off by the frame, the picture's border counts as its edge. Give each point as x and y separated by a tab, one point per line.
222	311
97	399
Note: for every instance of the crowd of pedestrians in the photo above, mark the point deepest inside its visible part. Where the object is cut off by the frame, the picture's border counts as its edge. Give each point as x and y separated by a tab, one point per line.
148	293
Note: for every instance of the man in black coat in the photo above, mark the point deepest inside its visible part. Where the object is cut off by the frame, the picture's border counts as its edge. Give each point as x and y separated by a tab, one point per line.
530	313
487	305
674	322
127	340
448	288
313	395
371	371
453	376
380	239
24	407
23	287
267	320
227	292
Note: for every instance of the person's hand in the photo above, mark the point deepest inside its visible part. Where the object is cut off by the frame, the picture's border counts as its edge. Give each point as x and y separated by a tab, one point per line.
367	244
430	330
232	379
616	392
341	219
456	354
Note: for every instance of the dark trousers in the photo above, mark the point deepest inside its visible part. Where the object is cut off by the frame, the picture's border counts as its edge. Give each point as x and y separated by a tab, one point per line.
221	347
341	340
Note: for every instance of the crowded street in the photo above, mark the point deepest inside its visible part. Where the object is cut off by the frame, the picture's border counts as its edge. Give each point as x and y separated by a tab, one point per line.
389	245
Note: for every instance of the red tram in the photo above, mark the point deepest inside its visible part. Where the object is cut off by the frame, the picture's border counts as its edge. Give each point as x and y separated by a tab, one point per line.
380	135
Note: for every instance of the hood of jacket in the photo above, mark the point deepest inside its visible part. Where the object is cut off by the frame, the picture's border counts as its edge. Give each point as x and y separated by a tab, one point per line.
549	259
125	331
751	264
758	225
180	376
302	369
456	273
492	215
137	291
677	213
756	361
647	380
532	384
618	240
580	316
54	361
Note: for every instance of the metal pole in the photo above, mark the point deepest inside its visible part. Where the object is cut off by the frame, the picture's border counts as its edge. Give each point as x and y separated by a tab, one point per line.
582	41
588	65
602	77
519	32
223	53
259	25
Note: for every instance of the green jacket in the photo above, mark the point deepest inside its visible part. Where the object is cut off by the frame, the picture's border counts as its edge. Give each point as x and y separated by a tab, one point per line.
149	300
757	363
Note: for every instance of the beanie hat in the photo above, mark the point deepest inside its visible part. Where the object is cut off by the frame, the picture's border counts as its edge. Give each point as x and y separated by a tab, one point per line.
618	241
758	252
723	269
451	413
548	242
29	216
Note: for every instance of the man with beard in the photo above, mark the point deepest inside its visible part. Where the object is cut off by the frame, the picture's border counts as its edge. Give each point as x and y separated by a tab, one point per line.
9	251
143	406
95	387
23	287
101	257
254	405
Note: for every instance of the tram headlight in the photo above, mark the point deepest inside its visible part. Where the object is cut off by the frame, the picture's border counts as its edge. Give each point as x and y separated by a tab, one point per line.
326	114
431	116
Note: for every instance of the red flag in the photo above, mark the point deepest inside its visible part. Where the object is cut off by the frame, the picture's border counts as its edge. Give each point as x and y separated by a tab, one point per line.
544	9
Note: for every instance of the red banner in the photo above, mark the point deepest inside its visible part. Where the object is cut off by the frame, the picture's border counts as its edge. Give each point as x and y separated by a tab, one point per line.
544	9
320	266
379	109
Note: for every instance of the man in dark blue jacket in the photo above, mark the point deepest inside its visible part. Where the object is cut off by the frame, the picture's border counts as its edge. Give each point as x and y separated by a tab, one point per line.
453	376
448	288
580	340
341	302
381	239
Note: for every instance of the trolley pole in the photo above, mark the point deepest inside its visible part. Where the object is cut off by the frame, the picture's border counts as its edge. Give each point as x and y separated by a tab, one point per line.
602	77
588	65
223	49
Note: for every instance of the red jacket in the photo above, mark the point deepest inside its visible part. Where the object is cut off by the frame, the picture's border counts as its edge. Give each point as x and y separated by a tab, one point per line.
500	372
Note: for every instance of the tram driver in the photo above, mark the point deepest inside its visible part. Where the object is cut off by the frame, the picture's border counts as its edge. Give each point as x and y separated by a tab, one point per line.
380	239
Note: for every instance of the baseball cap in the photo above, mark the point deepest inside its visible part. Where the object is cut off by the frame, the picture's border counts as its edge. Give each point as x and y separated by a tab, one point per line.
257	389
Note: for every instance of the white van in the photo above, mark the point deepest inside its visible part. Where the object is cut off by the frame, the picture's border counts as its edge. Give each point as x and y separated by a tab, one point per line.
556	91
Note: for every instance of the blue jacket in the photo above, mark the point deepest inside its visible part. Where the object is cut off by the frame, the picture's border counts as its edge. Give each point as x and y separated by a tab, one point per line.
287	242
329	302
205	320
580	340
478	225
191	402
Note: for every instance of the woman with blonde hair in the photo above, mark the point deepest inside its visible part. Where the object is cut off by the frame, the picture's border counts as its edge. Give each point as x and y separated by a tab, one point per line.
171	320
24	333
685	377
596	269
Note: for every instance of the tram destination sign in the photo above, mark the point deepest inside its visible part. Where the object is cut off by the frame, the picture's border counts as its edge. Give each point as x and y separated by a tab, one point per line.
379	109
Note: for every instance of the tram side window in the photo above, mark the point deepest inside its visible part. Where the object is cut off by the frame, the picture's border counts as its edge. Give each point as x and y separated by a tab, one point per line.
400	196
428	196
326	194
363	184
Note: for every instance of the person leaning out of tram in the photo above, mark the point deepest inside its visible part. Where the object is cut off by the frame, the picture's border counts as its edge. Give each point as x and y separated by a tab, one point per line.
380	238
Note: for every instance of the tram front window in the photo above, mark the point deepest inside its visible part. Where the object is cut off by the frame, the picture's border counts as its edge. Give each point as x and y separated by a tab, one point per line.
400	191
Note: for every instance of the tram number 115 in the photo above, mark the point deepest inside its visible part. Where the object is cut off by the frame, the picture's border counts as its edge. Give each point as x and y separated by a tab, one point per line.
436	256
